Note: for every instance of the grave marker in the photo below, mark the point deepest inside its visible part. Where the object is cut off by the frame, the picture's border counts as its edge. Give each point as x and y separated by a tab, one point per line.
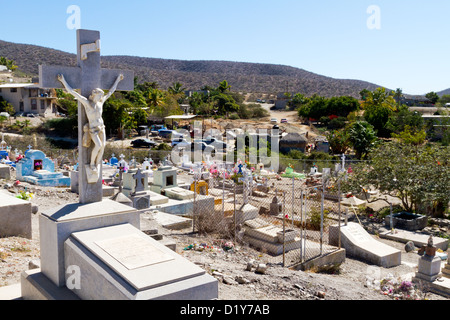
89	77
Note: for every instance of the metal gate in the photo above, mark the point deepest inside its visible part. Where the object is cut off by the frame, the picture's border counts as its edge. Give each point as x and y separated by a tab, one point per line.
313	210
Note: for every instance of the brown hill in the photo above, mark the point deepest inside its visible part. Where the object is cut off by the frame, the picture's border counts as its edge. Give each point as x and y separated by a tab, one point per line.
243	77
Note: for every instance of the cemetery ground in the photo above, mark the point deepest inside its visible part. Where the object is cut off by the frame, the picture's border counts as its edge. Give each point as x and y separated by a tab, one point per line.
346	282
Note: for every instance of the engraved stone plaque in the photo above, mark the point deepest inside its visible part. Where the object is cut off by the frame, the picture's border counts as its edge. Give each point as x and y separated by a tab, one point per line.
133	252
358	234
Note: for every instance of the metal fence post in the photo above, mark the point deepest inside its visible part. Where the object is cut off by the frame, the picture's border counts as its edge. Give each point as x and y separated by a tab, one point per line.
234	213
301	227
339	219
194	206
293	200
284	228
322	216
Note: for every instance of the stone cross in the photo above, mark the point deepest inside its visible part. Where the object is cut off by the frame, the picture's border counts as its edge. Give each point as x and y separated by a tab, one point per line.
139	177
121	169
343	162
89	77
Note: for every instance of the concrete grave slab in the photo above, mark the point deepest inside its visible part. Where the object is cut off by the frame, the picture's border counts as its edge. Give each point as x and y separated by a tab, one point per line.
5	172
123	263
246	212
179	193
360	244
170	221
262	234
15	217
419	239
55	227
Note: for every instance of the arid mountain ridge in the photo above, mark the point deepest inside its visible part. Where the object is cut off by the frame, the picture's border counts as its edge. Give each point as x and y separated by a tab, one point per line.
242	76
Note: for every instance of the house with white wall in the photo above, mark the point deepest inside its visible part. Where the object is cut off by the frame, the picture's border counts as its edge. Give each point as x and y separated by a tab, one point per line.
29	98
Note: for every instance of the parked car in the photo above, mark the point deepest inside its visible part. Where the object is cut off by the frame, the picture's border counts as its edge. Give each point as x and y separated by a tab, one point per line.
180	143
217	144
274	120
284	121
143	143
4	114
202	146
165	134
143	130
157	127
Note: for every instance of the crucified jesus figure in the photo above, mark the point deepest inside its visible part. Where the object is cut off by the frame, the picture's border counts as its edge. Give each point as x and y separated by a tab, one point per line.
94	130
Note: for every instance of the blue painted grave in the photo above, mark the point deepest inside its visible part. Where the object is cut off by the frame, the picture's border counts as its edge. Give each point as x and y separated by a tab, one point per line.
36	168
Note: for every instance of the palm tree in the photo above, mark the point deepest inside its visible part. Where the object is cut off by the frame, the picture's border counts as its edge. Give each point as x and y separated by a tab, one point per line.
398	95
223	86
26	123
156	99
176	88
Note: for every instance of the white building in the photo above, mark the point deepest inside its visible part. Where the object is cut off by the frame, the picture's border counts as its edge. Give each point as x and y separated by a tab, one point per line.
29	98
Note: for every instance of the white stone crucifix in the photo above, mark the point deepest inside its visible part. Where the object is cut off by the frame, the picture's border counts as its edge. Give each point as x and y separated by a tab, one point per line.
91	79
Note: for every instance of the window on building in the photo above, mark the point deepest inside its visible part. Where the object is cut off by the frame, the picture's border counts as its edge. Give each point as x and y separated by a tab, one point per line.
33	104
21	107
33	93
42	104
13	89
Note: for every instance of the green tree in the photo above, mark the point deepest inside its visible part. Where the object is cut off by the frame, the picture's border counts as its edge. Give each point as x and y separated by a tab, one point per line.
26	123
223	86
195	101
224	103
412	136
176	88
339	141
404	117
297	101
364	93
341	106
116	114
418	175
432	96
315	108
398	95
378	107
10	64
363	138
2	120
156	100
444	99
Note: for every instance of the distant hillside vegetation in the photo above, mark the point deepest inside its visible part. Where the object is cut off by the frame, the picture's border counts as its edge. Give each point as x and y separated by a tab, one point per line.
243	77
443	92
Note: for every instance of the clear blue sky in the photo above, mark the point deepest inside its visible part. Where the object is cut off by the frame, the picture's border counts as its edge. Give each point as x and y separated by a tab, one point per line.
410	50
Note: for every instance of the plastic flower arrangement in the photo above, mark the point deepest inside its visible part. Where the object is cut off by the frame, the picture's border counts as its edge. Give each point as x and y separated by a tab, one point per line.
399	290
24	195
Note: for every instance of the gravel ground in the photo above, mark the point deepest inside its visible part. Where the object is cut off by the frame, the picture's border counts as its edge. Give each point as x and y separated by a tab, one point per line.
229	267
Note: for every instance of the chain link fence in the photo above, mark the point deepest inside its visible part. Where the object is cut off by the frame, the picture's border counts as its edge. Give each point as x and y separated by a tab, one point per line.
288	219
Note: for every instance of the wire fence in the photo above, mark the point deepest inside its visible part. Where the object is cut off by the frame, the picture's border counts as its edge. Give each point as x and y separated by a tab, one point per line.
287	218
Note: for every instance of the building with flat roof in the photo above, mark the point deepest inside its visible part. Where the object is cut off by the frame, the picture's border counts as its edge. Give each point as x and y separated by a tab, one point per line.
29	98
